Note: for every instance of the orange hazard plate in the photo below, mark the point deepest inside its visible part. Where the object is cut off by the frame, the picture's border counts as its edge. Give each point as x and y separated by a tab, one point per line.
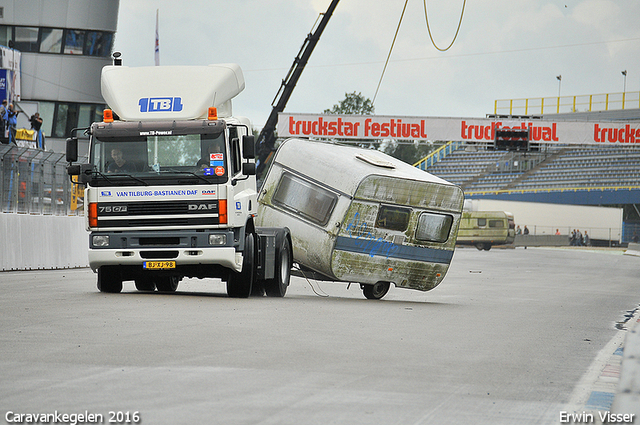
159	265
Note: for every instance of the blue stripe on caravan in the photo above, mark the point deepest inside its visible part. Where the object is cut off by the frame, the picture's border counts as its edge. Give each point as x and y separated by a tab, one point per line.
383	248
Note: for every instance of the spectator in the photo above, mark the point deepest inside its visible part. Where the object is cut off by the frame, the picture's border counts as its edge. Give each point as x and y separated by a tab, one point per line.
557	232
586	239
3	122
12	122
36	124
526	230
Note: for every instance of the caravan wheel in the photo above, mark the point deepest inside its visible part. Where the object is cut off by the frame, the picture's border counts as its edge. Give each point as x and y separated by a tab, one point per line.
375	291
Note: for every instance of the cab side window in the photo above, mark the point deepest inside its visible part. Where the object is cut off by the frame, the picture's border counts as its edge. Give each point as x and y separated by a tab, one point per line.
235	156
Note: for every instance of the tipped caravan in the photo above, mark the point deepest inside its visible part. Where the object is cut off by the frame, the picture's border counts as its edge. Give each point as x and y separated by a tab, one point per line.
359	215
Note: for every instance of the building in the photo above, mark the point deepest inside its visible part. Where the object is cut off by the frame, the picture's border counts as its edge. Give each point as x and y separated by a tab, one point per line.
64	44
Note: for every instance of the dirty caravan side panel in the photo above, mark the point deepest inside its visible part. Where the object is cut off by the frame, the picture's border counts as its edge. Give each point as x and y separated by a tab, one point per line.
398	230
311	210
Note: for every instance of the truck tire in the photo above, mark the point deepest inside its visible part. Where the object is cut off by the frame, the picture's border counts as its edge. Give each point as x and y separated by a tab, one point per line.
145	283
109	279
239	285
375	291
167	283
277	287
257	290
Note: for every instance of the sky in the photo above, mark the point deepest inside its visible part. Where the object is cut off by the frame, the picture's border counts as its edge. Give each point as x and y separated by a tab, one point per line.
505	49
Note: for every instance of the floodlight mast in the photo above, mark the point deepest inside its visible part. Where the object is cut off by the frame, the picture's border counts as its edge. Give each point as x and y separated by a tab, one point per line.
266	139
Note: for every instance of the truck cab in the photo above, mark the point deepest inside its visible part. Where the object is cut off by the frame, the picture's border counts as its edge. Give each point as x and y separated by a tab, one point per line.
170	185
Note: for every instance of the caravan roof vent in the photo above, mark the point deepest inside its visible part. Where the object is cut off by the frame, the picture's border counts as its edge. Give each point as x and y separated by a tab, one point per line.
375	161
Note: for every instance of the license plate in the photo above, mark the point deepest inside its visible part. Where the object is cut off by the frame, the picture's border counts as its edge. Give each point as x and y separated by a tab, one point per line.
159	265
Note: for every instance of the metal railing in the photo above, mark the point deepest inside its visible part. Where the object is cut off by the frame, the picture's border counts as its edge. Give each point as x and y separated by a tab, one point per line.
567	104
550	190
437	155
34	181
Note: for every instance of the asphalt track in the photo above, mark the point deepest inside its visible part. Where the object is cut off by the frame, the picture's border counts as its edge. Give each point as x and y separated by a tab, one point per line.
510	337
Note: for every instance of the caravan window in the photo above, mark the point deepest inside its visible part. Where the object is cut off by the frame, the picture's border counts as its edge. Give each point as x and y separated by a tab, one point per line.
496	223
434	227
305	198
393	218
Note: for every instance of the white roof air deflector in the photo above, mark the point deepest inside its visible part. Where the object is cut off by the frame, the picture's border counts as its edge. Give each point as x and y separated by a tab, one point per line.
170	92
375	161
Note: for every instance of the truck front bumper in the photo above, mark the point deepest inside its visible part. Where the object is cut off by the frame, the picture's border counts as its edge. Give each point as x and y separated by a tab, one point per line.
186	248
223	256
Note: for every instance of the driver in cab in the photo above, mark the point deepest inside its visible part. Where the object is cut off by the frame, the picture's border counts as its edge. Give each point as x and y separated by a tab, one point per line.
119	164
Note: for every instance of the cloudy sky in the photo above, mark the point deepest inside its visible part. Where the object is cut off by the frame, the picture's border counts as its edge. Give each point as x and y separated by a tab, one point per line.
506	49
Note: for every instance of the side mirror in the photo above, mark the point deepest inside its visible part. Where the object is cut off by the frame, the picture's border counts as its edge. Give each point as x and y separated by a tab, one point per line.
249	169
74	170
83	171
72	149
248	147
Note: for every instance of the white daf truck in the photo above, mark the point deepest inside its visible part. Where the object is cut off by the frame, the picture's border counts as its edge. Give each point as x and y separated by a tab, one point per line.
170	187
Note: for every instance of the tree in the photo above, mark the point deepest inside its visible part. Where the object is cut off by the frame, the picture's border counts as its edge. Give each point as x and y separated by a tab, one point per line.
353	103
407	150
404	150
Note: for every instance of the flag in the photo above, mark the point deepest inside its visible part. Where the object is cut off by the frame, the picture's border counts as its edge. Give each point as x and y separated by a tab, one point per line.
157	41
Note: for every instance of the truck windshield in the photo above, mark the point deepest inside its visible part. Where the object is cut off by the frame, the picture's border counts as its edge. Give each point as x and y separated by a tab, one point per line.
153	159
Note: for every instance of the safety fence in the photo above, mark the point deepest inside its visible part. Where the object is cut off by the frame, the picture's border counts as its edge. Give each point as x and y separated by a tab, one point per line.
34	181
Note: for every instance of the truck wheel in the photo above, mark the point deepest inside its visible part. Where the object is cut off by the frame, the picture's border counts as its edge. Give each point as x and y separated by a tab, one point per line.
239	284
145	283
109	279
166	283
375	291
277	286
257	289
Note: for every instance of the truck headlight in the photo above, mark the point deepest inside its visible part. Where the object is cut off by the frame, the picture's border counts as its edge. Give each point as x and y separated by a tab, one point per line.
218	239
100	240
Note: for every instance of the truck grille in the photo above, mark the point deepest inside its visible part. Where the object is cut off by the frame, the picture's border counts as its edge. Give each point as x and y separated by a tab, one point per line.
144	214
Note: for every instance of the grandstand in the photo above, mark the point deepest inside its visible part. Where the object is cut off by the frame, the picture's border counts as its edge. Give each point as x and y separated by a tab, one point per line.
479	169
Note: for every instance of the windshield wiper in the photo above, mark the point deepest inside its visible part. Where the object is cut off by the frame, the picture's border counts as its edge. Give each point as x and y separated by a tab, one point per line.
171	170
93	172
121	175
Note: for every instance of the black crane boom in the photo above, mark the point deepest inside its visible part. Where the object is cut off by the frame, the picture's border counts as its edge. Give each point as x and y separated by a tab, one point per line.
266	139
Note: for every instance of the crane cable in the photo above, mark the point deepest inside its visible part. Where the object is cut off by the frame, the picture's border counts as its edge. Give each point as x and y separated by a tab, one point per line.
390	50
430	36
464	3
